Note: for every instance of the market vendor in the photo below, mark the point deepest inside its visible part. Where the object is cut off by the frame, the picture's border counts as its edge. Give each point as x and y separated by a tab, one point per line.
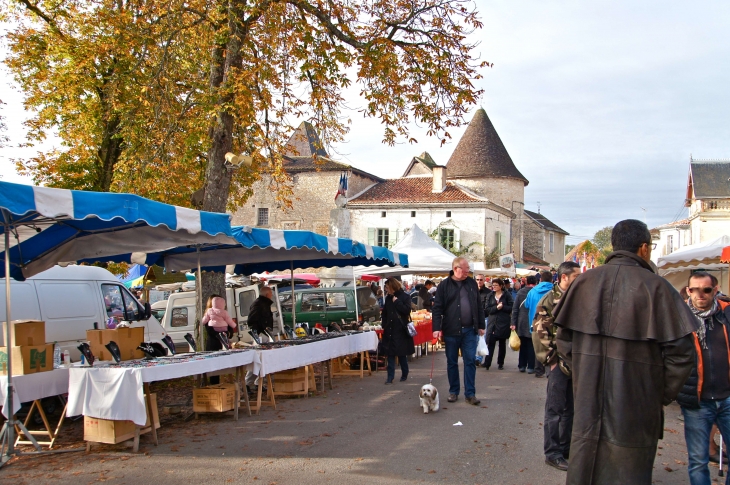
425	302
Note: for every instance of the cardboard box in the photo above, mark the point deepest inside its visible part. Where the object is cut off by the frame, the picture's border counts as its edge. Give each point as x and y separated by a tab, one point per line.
128	339
27	359
214	399
112	432
25	332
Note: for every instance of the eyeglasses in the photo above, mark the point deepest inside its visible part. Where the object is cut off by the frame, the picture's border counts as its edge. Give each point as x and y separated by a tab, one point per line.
705	290
480	279
652	245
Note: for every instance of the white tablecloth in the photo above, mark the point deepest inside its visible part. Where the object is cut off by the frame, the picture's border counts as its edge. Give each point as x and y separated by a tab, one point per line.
116	393
275	360
33	386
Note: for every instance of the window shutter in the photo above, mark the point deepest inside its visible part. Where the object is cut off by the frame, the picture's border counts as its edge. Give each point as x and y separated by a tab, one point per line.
371	236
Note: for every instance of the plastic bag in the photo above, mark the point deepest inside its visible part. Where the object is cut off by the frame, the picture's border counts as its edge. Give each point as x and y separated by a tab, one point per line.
514	341
482	349
412	329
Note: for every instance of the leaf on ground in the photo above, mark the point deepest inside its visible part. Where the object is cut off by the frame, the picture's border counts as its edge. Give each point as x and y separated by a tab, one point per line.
668	469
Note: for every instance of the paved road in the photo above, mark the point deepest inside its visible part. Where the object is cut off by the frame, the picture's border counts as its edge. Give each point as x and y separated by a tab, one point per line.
361	432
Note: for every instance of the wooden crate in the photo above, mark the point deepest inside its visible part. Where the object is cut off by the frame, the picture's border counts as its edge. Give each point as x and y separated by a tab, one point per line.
214	399
294	382
112	432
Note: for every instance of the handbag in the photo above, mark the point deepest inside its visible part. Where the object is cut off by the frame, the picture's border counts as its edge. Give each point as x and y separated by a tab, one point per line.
411	329
514	341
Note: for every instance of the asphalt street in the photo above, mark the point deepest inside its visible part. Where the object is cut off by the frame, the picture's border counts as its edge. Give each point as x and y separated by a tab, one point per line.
362	432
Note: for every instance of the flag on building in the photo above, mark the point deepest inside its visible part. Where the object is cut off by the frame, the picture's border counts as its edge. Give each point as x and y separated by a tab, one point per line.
342	188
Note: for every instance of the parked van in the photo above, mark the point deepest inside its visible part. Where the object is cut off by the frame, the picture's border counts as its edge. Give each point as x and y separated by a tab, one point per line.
178	315
72	300
327	305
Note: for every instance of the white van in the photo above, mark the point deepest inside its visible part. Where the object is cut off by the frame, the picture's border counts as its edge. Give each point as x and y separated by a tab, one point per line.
71	300
178	316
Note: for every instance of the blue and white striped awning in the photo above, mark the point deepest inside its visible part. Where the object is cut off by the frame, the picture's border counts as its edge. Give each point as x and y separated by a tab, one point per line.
51	226
258	250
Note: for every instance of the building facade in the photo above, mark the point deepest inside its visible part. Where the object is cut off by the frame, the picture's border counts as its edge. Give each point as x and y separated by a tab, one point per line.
708	205
314	180
544	239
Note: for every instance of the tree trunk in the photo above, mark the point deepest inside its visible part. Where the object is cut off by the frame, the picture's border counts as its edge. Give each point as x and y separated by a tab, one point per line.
217	177
108	155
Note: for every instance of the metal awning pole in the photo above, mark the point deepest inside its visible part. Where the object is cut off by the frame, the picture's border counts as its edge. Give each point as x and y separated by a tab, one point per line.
10	428
293	297
199	285
354	288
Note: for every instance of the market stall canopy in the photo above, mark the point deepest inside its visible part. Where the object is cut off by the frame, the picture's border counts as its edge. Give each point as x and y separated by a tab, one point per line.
703	255
258	250
678	266
499	272
425	256
51	226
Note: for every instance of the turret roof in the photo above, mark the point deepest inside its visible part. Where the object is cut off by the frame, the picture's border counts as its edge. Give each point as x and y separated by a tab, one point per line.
304	142
480	153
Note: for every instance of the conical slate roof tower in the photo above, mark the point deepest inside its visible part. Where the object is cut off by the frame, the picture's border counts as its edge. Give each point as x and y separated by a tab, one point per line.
481	154
304	142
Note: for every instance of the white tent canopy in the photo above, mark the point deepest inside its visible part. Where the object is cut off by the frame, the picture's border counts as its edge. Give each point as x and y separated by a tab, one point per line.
425	256
677	267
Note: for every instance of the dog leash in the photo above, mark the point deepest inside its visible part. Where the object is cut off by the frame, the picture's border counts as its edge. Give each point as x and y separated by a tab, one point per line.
433	359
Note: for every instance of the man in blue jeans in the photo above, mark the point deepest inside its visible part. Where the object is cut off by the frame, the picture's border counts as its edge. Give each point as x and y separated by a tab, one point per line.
705	397
458	315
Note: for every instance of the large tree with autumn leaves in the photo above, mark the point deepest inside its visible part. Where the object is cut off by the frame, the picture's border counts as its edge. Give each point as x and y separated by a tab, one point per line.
148	96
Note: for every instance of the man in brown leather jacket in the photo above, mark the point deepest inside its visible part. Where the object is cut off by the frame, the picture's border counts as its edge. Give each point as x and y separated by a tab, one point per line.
626	336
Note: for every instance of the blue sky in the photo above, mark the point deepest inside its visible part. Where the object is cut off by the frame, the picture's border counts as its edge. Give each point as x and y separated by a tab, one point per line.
599	104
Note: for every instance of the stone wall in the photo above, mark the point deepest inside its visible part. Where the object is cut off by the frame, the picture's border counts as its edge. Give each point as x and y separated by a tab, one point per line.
501	191
533	240
313	199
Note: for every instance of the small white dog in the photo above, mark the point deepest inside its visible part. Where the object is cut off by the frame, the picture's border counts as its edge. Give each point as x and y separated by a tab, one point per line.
429	398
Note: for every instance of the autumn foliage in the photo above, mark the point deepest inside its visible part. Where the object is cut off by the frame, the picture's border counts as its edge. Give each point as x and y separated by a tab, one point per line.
148	96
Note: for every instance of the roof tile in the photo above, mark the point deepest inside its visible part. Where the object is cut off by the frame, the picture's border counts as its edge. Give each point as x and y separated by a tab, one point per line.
414	190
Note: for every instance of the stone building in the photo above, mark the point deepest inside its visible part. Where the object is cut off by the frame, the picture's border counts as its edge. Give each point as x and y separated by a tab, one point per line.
315	180
476	199
543	239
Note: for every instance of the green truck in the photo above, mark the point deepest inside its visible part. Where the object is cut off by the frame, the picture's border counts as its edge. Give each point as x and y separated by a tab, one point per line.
327	305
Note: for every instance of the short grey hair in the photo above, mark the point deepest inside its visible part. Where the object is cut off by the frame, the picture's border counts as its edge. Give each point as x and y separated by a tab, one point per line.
457	261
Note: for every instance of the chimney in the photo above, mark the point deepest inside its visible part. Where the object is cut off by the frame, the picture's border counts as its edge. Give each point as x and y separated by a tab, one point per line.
439	179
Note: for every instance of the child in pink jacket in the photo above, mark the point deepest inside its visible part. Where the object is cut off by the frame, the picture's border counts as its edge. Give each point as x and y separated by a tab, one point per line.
216	315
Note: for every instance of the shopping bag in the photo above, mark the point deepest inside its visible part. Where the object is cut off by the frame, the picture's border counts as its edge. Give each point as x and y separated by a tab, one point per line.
514	341
482	349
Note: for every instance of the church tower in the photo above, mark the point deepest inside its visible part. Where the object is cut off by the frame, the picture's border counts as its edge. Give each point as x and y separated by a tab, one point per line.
481	163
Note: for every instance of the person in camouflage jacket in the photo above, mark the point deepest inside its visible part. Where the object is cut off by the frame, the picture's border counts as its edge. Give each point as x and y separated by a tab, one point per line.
558	422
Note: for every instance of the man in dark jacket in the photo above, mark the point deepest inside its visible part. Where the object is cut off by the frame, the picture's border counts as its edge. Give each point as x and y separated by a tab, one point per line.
260	316
424	296
626	335
484	289
520	323
705	398
458	315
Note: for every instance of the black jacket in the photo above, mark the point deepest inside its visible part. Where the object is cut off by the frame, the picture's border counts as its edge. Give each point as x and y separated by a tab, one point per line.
484	296
520	314
395	317
499	319
689	396
260	316
446	311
